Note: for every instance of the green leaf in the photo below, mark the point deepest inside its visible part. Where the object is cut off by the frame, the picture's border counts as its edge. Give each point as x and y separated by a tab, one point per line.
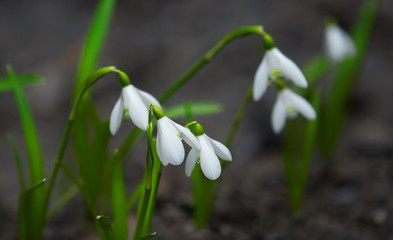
298	152
81	187
6	85
104	228
63	200
94	41
148	236
119	201
197	108
35	159
21	175
316	68
25	213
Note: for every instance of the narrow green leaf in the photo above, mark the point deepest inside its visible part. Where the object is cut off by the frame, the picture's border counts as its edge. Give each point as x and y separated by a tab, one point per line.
63	200
148	236
80	187
119	200
7	85
94	41
135	195
197	108
25	213
104	228
35	160
21	175
316	68
34	153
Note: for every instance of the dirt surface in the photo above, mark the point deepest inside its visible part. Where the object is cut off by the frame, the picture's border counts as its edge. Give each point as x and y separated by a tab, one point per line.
155	42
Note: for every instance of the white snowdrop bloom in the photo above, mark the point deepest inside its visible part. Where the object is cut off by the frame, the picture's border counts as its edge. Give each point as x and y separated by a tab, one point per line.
169	135
288	105
275	62
135	103
338	44
207	155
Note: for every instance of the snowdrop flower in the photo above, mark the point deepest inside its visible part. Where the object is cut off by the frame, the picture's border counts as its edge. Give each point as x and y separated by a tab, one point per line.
338	44
288	105
274	63
135	103
207	155
169	135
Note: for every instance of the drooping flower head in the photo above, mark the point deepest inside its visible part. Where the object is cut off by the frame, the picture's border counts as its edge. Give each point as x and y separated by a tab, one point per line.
169	135
275	62
288	105
134	103
207	155
338	44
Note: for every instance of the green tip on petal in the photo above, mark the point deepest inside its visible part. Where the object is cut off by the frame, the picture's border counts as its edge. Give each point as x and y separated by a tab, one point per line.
268	42
198	130
330	21
158	113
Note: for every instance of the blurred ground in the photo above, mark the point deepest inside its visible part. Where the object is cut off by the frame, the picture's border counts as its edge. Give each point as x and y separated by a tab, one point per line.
155	42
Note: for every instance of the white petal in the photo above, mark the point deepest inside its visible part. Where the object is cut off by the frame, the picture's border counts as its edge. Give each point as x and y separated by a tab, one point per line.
261	80
187	135
137	110
191	160
116	116
148	99
169	146
338	44
289	69
300	104
220	149
278	114
210	164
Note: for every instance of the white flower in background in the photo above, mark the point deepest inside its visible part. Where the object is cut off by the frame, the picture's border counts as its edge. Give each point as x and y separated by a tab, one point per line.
207	155
338	44
135	103
288	105
275	62
169	135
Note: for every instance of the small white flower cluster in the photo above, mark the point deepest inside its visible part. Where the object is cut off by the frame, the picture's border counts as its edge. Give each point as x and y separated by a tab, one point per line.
288	103
136	103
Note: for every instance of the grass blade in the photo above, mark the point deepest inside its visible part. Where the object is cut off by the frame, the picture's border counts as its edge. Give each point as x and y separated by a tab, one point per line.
104	228
21	175
94	41
25	213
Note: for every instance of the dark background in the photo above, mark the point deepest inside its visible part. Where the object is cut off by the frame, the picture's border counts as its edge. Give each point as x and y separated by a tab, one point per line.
155	42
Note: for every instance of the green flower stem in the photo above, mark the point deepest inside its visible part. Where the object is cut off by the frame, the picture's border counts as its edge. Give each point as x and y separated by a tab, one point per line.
156	177
94	77
144	203
237	33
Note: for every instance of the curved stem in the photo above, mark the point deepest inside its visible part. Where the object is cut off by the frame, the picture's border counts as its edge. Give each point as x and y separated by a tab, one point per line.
235	34
97	75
